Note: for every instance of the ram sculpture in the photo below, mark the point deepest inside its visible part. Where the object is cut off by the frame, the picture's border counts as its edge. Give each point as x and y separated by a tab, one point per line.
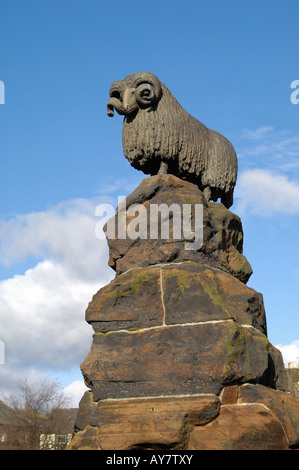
160	137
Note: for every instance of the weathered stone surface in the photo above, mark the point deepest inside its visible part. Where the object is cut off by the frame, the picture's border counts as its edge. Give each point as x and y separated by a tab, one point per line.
277	377
87	406
222	231
246	417
132	300
151	423
284	407
178	359
89	439
193	293
240	427
229	395
175	293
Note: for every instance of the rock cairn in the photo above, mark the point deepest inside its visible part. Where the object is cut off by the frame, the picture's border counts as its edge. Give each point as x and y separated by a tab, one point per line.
180	357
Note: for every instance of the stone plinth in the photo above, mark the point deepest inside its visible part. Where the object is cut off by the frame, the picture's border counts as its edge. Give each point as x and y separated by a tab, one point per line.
180	356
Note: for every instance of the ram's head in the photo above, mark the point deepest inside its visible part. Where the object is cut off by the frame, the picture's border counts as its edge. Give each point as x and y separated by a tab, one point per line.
138	91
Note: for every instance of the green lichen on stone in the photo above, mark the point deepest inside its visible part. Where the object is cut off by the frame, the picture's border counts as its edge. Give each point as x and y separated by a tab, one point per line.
125	288
235	346
141	280
242	357
213	290
104	295
182	278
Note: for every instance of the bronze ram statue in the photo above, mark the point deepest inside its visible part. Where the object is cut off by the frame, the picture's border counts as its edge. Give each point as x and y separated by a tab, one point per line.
159	136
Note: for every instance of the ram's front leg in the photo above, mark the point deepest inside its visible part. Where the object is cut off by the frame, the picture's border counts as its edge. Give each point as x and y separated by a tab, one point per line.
163	168
207	193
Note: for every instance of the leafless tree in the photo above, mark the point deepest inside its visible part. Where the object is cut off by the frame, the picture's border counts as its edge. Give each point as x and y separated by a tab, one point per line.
34	414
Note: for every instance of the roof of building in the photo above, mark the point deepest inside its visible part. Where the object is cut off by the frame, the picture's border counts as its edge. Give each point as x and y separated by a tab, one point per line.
67	418
5	413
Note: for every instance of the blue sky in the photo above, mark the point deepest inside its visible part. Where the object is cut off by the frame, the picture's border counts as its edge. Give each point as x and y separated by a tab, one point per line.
230	64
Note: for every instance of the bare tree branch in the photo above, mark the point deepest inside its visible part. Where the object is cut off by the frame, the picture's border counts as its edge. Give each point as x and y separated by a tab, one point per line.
34	413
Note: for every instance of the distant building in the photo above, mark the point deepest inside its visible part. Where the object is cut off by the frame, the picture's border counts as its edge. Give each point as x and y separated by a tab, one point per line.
64	423
56	435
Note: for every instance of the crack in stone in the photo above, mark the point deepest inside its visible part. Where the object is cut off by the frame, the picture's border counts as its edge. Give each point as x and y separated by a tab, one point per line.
141	330
162	297
153	397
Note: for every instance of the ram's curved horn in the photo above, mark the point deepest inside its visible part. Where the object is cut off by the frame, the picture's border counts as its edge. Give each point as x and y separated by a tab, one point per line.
148	79
115	103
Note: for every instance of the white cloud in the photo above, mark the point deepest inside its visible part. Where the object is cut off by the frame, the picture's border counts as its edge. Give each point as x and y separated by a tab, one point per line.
42	316
290	352
265	193
259	133
65	233
11	373
268	179
75	392
42	311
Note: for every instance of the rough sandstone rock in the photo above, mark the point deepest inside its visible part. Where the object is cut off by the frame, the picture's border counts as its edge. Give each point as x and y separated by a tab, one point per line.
283	406
222	231
131	301
176	359
174	293
180	356
149	423
247	417
252	417
248	427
